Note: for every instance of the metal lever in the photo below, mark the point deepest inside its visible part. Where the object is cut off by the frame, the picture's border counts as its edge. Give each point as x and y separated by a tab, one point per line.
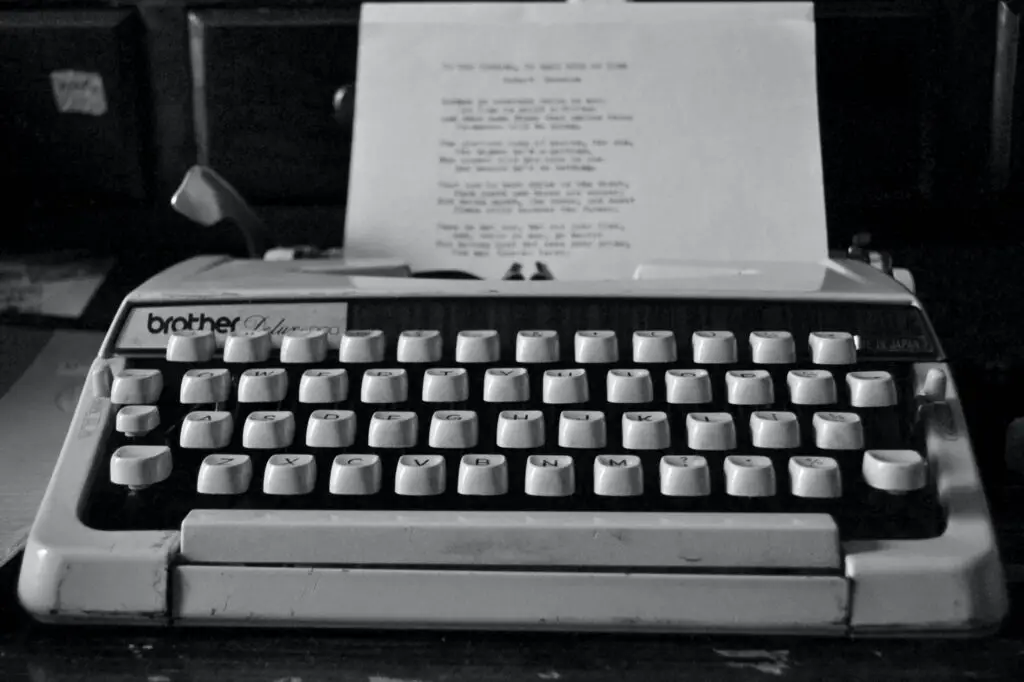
206	198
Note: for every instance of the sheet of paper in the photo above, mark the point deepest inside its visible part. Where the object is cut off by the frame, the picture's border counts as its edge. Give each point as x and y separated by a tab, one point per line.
590	137
41	376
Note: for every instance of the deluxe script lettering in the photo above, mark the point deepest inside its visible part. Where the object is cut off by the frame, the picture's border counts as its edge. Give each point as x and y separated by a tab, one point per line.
223	324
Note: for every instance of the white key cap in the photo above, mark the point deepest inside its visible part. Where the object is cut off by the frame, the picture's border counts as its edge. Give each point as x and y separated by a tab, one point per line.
599	346
710	431
140	466
585	430
774	430
687	386
268	430
319	386
838	431
247	347
355	475
289	475
191	346
420	345
749	387
362	346
382	386
200	386
203	430
520	430
454	429
331	429
816	477
684	476
566	386
618	476
654	346
263	385
136	387
137	420
224	475
477	345
811	387
871	389
305	346
420	475
772	348
550	476
445	385
749	476
714	348
537	345
393	430
629	386
483	475
832	348
896	471
506	385
645	431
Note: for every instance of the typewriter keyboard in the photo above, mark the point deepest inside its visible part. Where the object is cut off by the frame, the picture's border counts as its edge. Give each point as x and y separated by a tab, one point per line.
586	420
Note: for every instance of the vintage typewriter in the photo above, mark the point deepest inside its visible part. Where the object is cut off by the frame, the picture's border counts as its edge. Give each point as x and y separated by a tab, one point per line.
758	449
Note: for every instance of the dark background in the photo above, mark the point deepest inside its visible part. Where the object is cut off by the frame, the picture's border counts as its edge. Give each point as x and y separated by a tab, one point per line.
923	147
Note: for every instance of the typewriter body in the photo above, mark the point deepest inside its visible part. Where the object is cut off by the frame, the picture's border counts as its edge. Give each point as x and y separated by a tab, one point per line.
751	449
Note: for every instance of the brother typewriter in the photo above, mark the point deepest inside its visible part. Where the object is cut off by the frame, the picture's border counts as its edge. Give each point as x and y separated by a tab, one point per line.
764	449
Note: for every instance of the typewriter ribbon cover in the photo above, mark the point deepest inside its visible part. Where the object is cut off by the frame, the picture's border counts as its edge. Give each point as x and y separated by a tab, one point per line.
590	137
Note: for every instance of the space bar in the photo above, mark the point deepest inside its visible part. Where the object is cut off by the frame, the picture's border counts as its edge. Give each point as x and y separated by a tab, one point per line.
496	539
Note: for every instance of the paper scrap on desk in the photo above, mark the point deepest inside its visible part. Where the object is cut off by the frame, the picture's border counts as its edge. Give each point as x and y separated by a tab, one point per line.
54	285
590	137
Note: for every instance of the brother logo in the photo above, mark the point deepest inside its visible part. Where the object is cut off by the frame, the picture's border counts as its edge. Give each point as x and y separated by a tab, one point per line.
178	323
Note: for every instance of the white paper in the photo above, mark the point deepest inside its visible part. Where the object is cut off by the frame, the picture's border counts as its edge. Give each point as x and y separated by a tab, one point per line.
590	137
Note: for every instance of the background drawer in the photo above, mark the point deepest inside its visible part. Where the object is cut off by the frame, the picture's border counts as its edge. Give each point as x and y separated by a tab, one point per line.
263	85
72	128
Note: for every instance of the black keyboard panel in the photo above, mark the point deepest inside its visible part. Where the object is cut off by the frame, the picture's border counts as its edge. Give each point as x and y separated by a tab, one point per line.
861	511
